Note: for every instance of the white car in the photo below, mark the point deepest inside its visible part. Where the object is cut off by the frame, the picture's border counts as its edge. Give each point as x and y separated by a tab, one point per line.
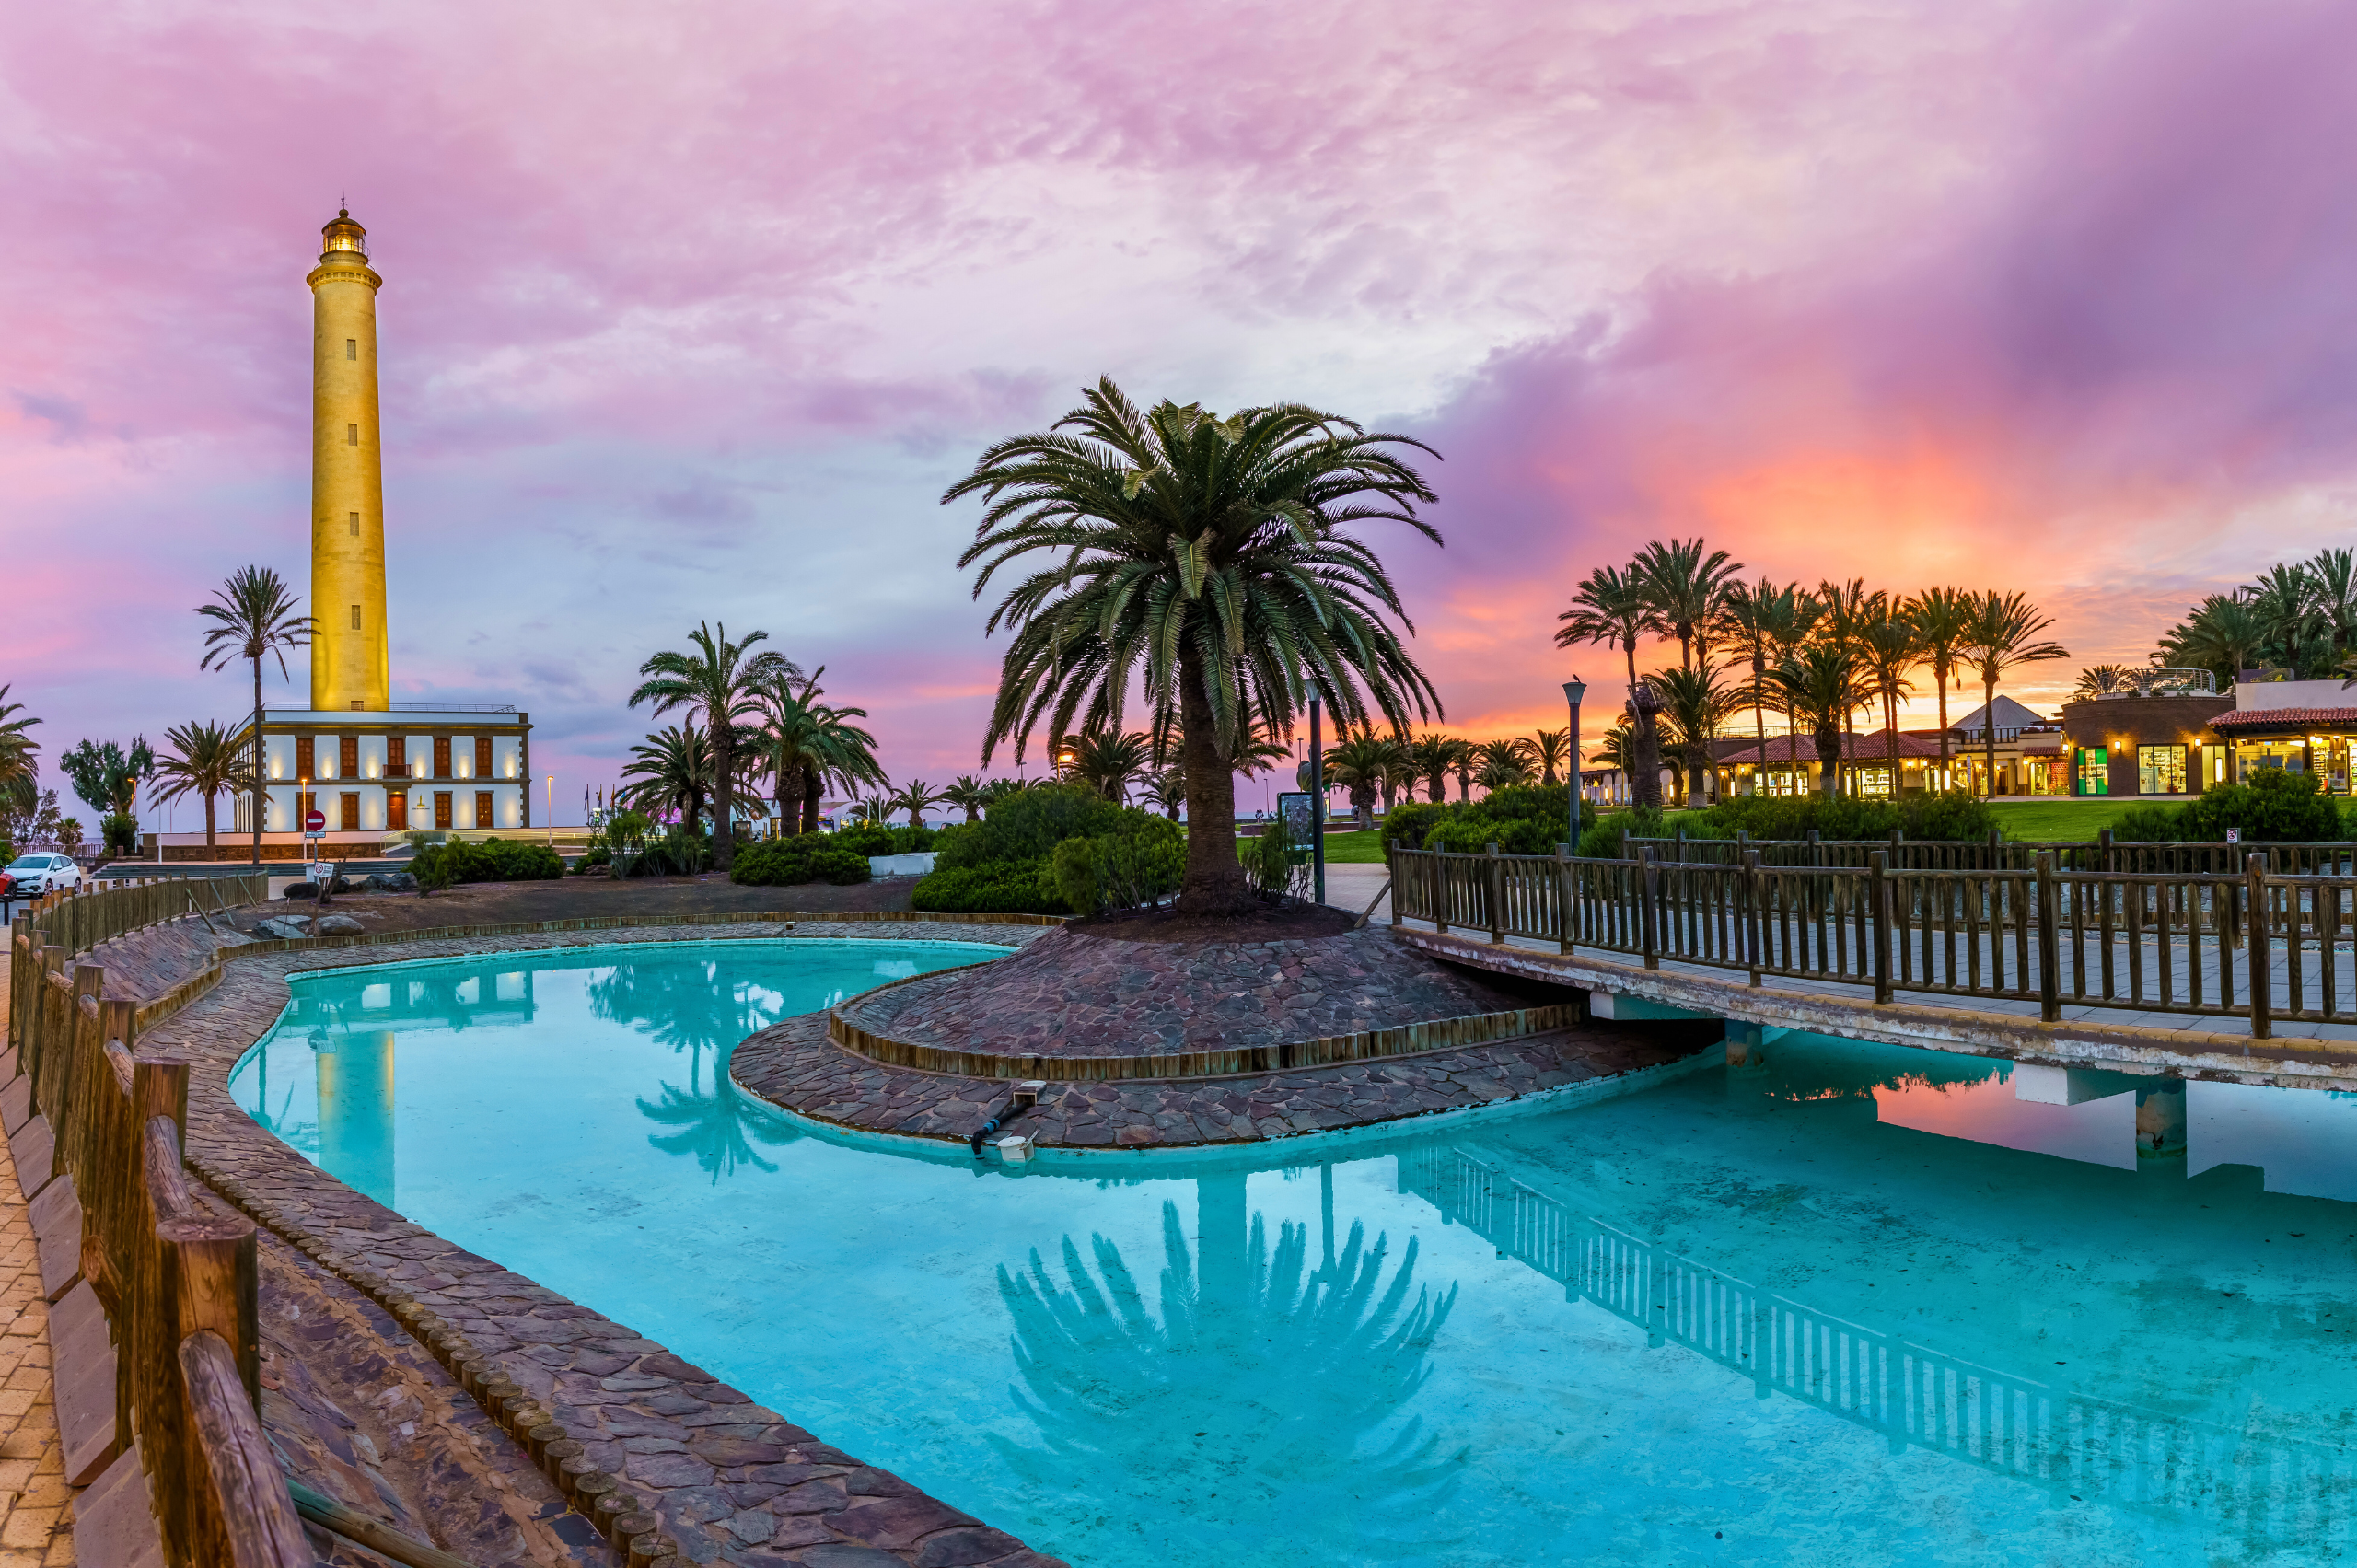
31	875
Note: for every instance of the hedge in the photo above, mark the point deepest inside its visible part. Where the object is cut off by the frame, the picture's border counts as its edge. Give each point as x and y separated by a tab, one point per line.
1006	886
783	863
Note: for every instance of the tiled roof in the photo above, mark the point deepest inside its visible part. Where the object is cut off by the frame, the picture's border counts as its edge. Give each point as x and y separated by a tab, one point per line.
1865	747
2286	718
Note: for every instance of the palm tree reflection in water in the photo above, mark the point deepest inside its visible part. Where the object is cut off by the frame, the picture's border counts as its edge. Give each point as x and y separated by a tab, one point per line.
1254	1405
690	1009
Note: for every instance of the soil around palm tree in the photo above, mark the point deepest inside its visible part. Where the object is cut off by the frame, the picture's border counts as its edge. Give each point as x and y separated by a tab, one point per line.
1262	922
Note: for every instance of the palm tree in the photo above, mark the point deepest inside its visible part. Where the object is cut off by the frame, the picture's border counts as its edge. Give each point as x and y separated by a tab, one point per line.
1818	684
1165	789
1942	620
1618	750
1208	559
2284	601
2333	576
969	794
2102	680
2223	634
1845	608
1685	589
1769	622
1431	756
1548	748
670	772
804	742
203	761
2005	633
1357	764
1696	704
254	618
1107	762
719	681
1612	610
912	797
1501	764
1261	753
1000	789
1888	648
19	769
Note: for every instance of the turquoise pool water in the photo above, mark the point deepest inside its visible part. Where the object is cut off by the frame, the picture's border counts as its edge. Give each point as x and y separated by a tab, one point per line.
1860	1306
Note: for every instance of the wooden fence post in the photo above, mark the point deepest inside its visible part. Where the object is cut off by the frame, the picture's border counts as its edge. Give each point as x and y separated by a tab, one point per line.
1649	910
1755	893
2050	940
1564	903
2258	957
1879	882
1495	886
1440	890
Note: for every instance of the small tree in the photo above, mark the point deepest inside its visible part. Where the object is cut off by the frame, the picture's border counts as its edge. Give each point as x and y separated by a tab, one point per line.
255	617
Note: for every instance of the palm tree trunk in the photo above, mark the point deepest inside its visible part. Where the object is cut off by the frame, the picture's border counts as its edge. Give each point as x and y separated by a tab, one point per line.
1890	729
1759	715
208	826
789	799
1828	759
258	780
1941	672
724	795
1988	724
814	790
1646	785
1214	881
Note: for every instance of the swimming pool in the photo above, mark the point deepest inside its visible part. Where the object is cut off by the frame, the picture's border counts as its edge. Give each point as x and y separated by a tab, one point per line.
1862	1304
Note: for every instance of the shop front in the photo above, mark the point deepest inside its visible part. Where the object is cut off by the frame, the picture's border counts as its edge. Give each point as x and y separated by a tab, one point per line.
2132	745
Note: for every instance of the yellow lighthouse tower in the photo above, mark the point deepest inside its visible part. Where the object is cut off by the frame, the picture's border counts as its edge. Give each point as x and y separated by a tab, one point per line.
349	667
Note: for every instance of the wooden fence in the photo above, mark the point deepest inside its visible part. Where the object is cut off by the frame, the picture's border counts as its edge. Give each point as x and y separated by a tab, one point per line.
2103	853
174	1274
79	919
2271	939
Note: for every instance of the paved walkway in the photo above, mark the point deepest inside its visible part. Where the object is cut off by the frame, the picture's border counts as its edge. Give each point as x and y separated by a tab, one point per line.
36	1505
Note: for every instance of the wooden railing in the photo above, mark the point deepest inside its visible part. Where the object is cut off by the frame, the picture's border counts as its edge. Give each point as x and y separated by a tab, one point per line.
2103	853
2254	943
79	919
175	1274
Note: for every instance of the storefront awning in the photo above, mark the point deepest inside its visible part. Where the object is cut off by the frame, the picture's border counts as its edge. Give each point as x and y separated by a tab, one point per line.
2285	721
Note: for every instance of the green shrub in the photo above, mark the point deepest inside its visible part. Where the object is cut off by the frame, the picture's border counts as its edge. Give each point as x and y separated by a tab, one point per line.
1405	824
1030	824
2146	823
1603	840
490	859
118	832
866	838
678	852
2273	805
1272	866
1948	815
812	857
1006	886
1520	819
1119	871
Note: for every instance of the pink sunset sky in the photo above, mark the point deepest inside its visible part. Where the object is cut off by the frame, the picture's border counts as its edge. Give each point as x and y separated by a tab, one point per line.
692	312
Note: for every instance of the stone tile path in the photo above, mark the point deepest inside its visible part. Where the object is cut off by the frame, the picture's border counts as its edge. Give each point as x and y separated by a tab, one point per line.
36	1505
1071	994
794	1065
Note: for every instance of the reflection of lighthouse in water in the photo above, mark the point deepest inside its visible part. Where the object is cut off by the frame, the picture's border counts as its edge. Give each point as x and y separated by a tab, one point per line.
355	1078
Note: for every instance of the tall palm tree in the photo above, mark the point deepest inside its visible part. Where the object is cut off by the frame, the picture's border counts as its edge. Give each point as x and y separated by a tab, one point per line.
1208	559
1357	764
203	761
912	797
721	682
2006	633
1610	608
1501	764
803	743
19	769
1431	756
1888	648
1769	622
2284	601
1618	750
1844	608
1818	684
1107	762
672	770
968	794
2333	576
1684	587
1943	619
2223	634
1547	749
2103	680
254	618
1695	702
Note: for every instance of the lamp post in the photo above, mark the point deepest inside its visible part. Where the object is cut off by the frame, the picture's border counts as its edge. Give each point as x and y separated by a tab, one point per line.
551	824
1316	808
1573	690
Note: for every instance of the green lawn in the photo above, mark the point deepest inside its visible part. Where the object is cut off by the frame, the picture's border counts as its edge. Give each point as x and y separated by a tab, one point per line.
2061	818
1355	848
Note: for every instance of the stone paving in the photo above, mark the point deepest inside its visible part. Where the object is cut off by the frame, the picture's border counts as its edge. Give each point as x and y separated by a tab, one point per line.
36	1505
1071	994
730	1481
795	1066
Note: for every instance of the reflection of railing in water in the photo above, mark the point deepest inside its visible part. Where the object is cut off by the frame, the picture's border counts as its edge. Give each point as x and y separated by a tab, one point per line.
2069	1443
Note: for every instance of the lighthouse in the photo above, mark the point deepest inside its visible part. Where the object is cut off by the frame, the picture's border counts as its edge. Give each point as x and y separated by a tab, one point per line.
351	666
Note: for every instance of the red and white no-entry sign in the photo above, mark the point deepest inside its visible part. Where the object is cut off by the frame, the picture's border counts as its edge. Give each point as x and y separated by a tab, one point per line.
315	821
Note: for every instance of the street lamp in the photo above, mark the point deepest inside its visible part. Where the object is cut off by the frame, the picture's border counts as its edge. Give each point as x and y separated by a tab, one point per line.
552	810
1573	690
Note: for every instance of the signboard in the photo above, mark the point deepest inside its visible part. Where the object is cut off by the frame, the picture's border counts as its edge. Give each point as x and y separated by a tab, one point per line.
2234	835
315	821
1294	811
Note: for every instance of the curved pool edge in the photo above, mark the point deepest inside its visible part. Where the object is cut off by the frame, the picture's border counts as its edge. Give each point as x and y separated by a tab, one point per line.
481	1320
795	1066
